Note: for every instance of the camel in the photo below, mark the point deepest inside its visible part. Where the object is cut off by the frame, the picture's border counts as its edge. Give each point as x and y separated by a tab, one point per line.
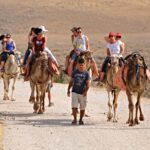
12	71
112	89
89	62
135	83
39	78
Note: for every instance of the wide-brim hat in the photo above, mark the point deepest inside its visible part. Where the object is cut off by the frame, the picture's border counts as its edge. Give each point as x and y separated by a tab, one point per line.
111	34
118	34
43	28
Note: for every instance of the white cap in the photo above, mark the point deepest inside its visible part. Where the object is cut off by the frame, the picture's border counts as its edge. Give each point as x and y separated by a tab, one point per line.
42	28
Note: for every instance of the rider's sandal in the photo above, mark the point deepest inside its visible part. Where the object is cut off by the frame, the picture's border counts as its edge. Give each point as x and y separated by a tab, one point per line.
74	122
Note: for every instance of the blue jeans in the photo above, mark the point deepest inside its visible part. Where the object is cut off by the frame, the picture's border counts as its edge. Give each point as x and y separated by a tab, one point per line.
27	53
5	54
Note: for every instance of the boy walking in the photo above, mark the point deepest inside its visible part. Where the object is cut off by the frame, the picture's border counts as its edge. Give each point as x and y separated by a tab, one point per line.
79	83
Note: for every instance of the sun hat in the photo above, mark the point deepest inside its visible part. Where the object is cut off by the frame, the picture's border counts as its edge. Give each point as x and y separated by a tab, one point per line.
111	34
43	28
118	34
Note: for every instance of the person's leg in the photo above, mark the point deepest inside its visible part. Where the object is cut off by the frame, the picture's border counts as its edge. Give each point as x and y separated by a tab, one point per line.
71	63
74	105
27	69
83	102
94	68
53	67
27	53
66	64
74	110
3	60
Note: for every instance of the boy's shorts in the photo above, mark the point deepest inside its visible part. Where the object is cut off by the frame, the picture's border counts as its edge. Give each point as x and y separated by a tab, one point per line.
49	86
79	99
74	56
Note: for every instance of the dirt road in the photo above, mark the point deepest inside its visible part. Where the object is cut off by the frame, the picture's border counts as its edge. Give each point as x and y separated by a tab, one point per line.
24	130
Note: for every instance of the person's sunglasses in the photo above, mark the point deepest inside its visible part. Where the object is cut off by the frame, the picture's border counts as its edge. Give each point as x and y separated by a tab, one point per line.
79	31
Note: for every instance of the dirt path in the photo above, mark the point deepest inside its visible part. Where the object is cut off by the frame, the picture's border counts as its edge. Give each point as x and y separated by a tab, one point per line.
24	130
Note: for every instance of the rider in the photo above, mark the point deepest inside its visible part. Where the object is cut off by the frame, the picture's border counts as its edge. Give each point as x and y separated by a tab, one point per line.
80	44
113	47
38	44
9	48
31	35
52	60
73	36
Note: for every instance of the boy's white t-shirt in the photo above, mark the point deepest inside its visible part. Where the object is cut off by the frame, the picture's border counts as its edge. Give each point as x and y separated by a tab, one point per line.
80	43
114	47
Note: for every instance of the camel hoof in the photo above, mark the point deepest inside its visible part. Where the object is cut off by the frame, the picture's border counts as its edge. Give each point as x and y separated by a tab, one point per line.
13	99
6	98
115	120
136	122
141	118
31	99
131	123
35	107
109	116
40	112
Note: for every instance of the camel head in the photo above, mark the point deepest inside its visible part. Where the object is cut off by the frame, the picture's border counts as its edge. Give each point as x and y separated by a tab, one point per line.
114	63
87	57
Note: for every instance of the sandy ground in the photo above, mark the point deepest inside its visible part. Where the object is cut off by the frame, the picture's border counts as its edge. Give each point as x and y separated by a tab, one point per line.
24	130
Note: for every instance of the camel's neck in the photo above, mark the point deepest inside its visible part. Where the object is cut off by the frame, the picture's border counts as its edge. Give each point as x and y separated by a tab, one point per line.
11	66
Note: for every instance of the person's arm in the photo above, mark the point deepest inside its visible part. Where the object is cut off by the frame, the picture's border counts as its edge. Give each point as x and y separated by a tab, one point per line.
72	38
86	88
4	47
69	87
44	43
108	52
122	47
14	46
87	45
33	46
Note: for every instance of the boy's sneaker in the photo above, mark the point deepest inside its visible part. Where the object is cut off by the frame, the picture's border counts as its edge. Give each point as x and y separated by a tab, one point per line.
74	122
81	122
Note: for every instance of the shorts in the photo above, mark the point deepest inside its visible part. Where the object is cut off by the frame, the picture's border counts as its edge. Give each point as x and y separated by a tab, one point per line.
49	86
74	56
78	99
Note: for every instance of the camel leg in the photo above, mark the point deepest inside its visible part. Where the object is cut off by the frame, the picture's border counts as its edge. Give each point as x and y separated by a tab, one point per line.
131	108
115	105
138	104
109	114
13	88
141	114
32	97
6	88
36	102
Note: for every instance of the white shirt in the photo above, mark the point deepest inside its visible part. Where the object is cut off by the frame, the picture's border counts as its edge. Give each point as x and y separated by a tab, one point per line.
80	43
114	48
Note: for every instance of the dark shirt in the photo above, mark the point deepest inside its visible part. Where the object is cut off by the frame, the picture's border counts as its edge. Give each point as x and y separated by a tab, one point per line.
79	81
39	44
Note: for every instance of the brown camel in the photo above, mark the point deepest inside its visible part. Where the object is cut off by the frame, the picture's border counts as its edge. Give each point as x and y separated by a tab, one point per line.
90	63
39	78
135	83
12	71
112	89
